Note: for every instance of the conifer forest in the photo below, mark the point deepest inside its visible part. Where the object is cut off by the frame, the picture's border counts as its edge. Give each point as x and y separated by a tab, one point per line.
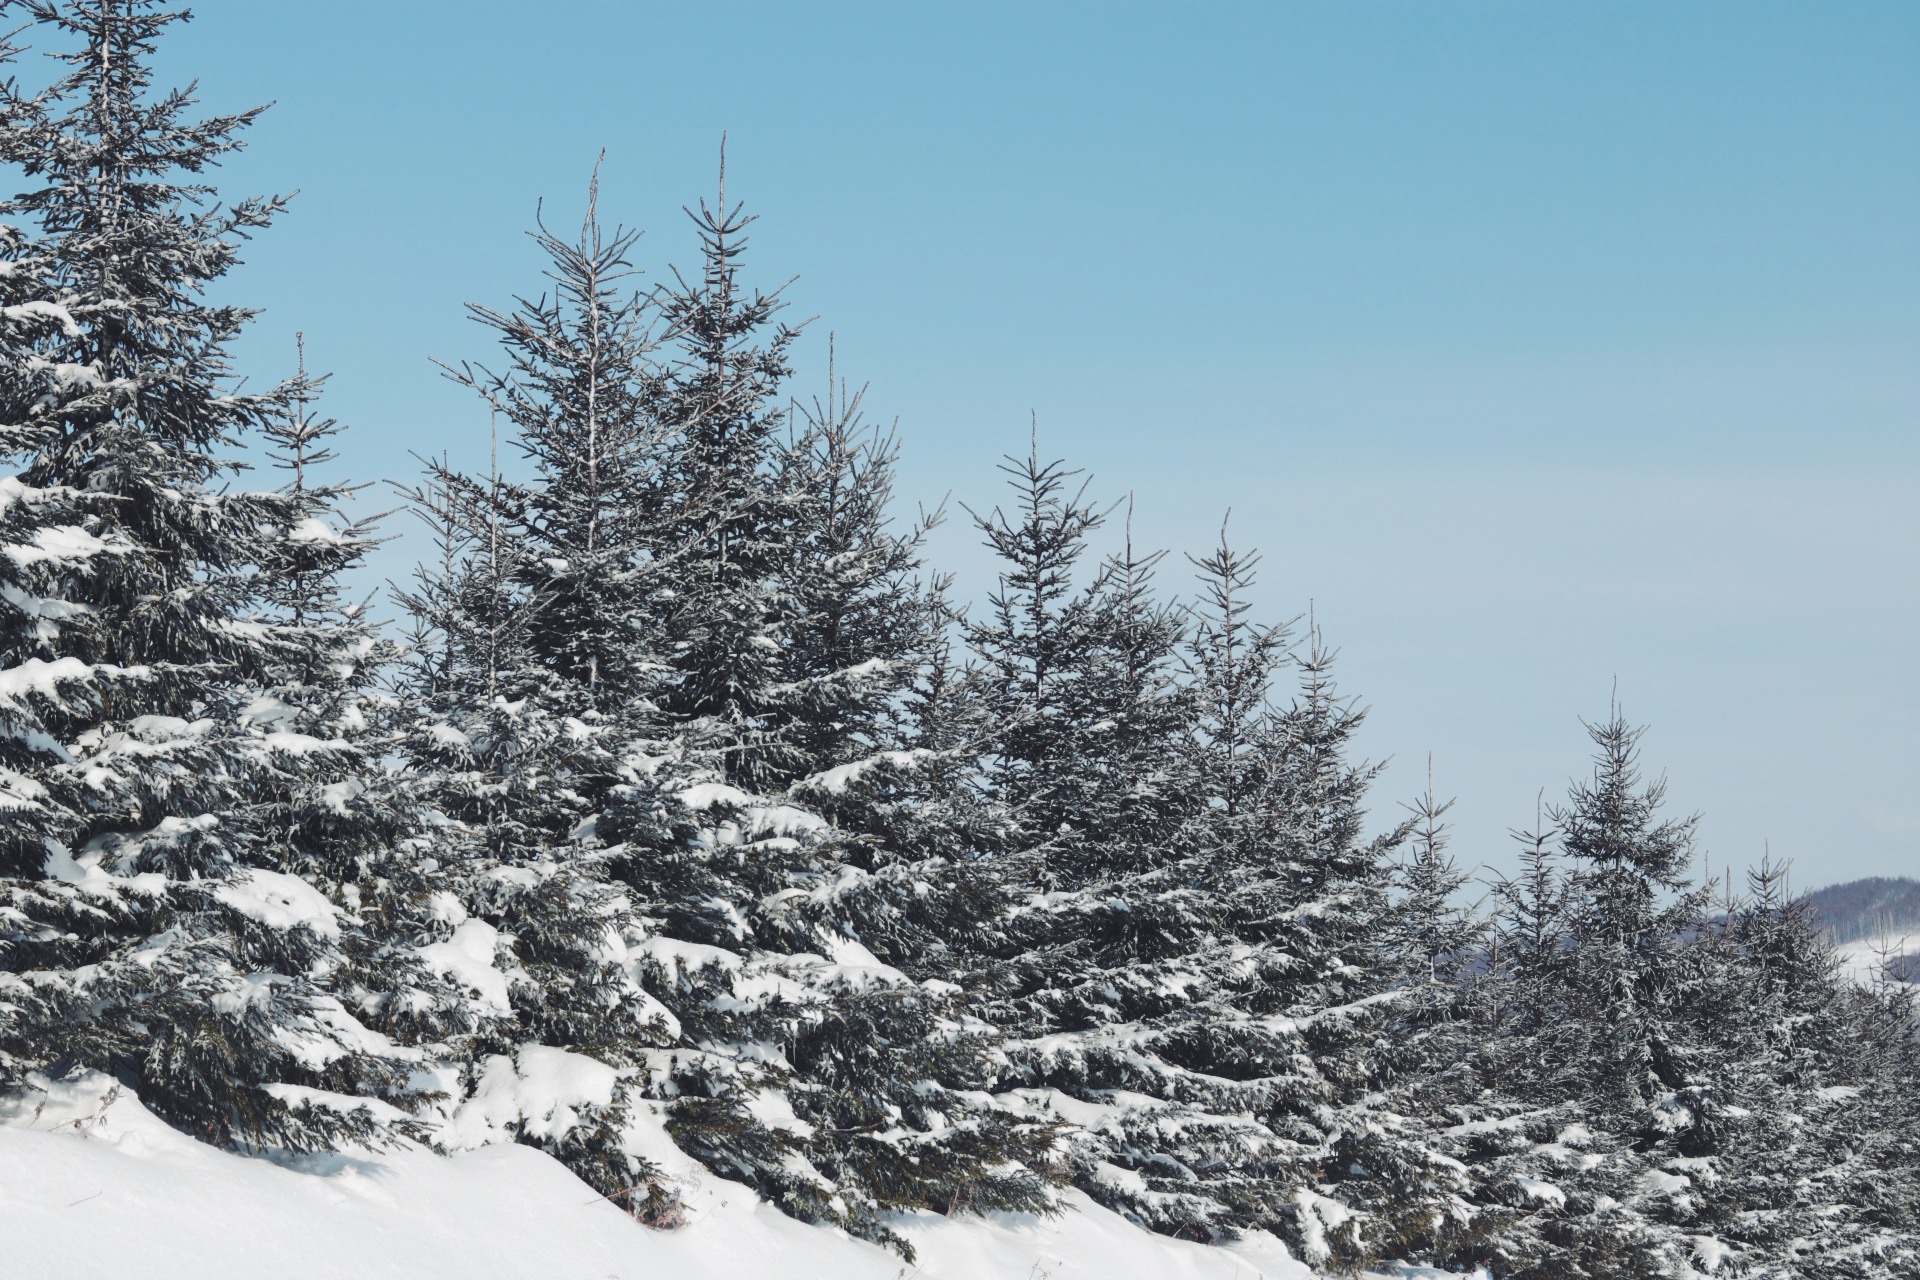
677	783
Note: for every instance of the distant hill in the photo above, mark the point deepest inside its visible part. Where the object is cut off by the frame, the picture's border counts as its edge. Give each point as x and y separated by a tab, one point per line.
1866	908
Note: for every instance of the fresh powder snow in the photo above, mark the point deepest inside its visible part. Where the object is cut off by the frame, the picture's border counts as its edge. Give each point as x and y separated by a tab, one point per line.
93	1185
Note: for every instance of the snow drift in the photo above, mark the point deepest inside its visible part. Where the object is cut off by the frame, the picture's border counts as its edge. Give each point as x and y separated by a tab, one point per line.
93	1185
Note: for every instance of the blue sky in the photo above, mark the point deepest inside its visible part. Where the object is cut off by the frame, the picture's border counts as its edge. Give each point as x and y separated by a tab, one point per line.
1535	345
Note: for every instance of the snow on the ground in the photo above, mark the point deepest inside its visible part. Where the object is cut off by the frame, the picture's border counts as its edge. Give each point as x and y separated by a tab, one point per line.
1864	960
93	1185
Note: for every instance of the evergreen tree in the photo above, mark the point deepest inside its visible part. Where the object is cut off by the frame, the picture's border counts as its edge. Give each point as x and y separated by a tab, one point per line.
1515	1106
1312	984
662	918
1812	1168
873	720
1234	661
346	822
1632	972
1441	942
723	400
1603	1112
1035	647
1088	762
165	933
1134	781
1630	917
47	541
535	711
1438	1030
860	620
1211	986
795	632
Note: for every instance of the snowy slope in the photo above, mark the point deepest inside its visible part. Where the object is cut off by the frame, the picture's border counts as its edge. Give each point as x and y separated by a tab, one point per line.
93	1185
1867	959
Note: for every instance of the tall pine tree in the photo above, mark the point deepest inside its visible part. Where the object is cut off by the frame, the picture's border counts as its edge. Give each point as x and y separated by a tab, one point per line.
662	914
535	721
165	933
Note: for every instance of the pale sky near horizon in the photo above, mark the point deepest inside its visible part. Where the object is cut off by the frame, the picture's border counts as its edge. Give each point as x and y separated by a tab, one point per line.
1535	346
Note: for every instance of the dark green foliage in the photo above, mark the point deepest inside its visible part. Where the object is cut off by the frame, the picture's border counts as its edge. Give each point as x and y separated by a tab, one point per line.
529	703
164	934
1195	970
695	799
660	701
722	401
1653	1085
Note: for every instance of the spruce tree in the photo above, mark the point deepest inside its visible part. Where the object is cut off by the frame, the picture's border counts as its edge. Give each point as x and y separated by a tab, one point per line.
348	823
533	711
794	635
1035	646
165	934
1090	764
1234	661
1514	1107
1812	1170
1603	1113
1631	913
661	917
1437	1031
47	540
1135	783
862	616
871	721
1440	941
723	399
1205	987
1308	984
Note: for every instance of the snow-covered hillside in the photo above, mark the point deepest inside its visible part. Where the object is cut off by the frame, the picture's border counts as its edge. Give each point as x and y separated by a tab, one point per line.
93	1185
1866	960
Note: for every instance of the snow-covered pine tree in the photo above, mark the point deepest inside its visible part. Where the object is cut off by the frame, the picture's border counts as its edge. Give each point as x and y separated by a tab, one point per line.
1632	917
1077	686
1599	1110
1526	965
1206	983
1234	661
346	821
1437	1034
724	399
863	627
793	635
1305	983
1180	1139
1034	647
533	704
1032	650
1440	940
1090	764
1505	1102
1120	855
48	927
1136	788
158	937
865	657
860	618
628	873
1810	1168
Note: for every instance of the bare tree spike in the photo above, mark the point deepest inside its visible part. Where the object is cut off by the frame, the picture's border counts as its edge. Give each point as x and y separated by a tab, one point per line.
589	225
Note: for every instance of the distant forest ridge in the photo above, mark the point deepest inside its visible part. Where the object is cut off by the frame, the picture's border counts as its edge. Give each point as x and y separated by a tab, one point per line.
1863	908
